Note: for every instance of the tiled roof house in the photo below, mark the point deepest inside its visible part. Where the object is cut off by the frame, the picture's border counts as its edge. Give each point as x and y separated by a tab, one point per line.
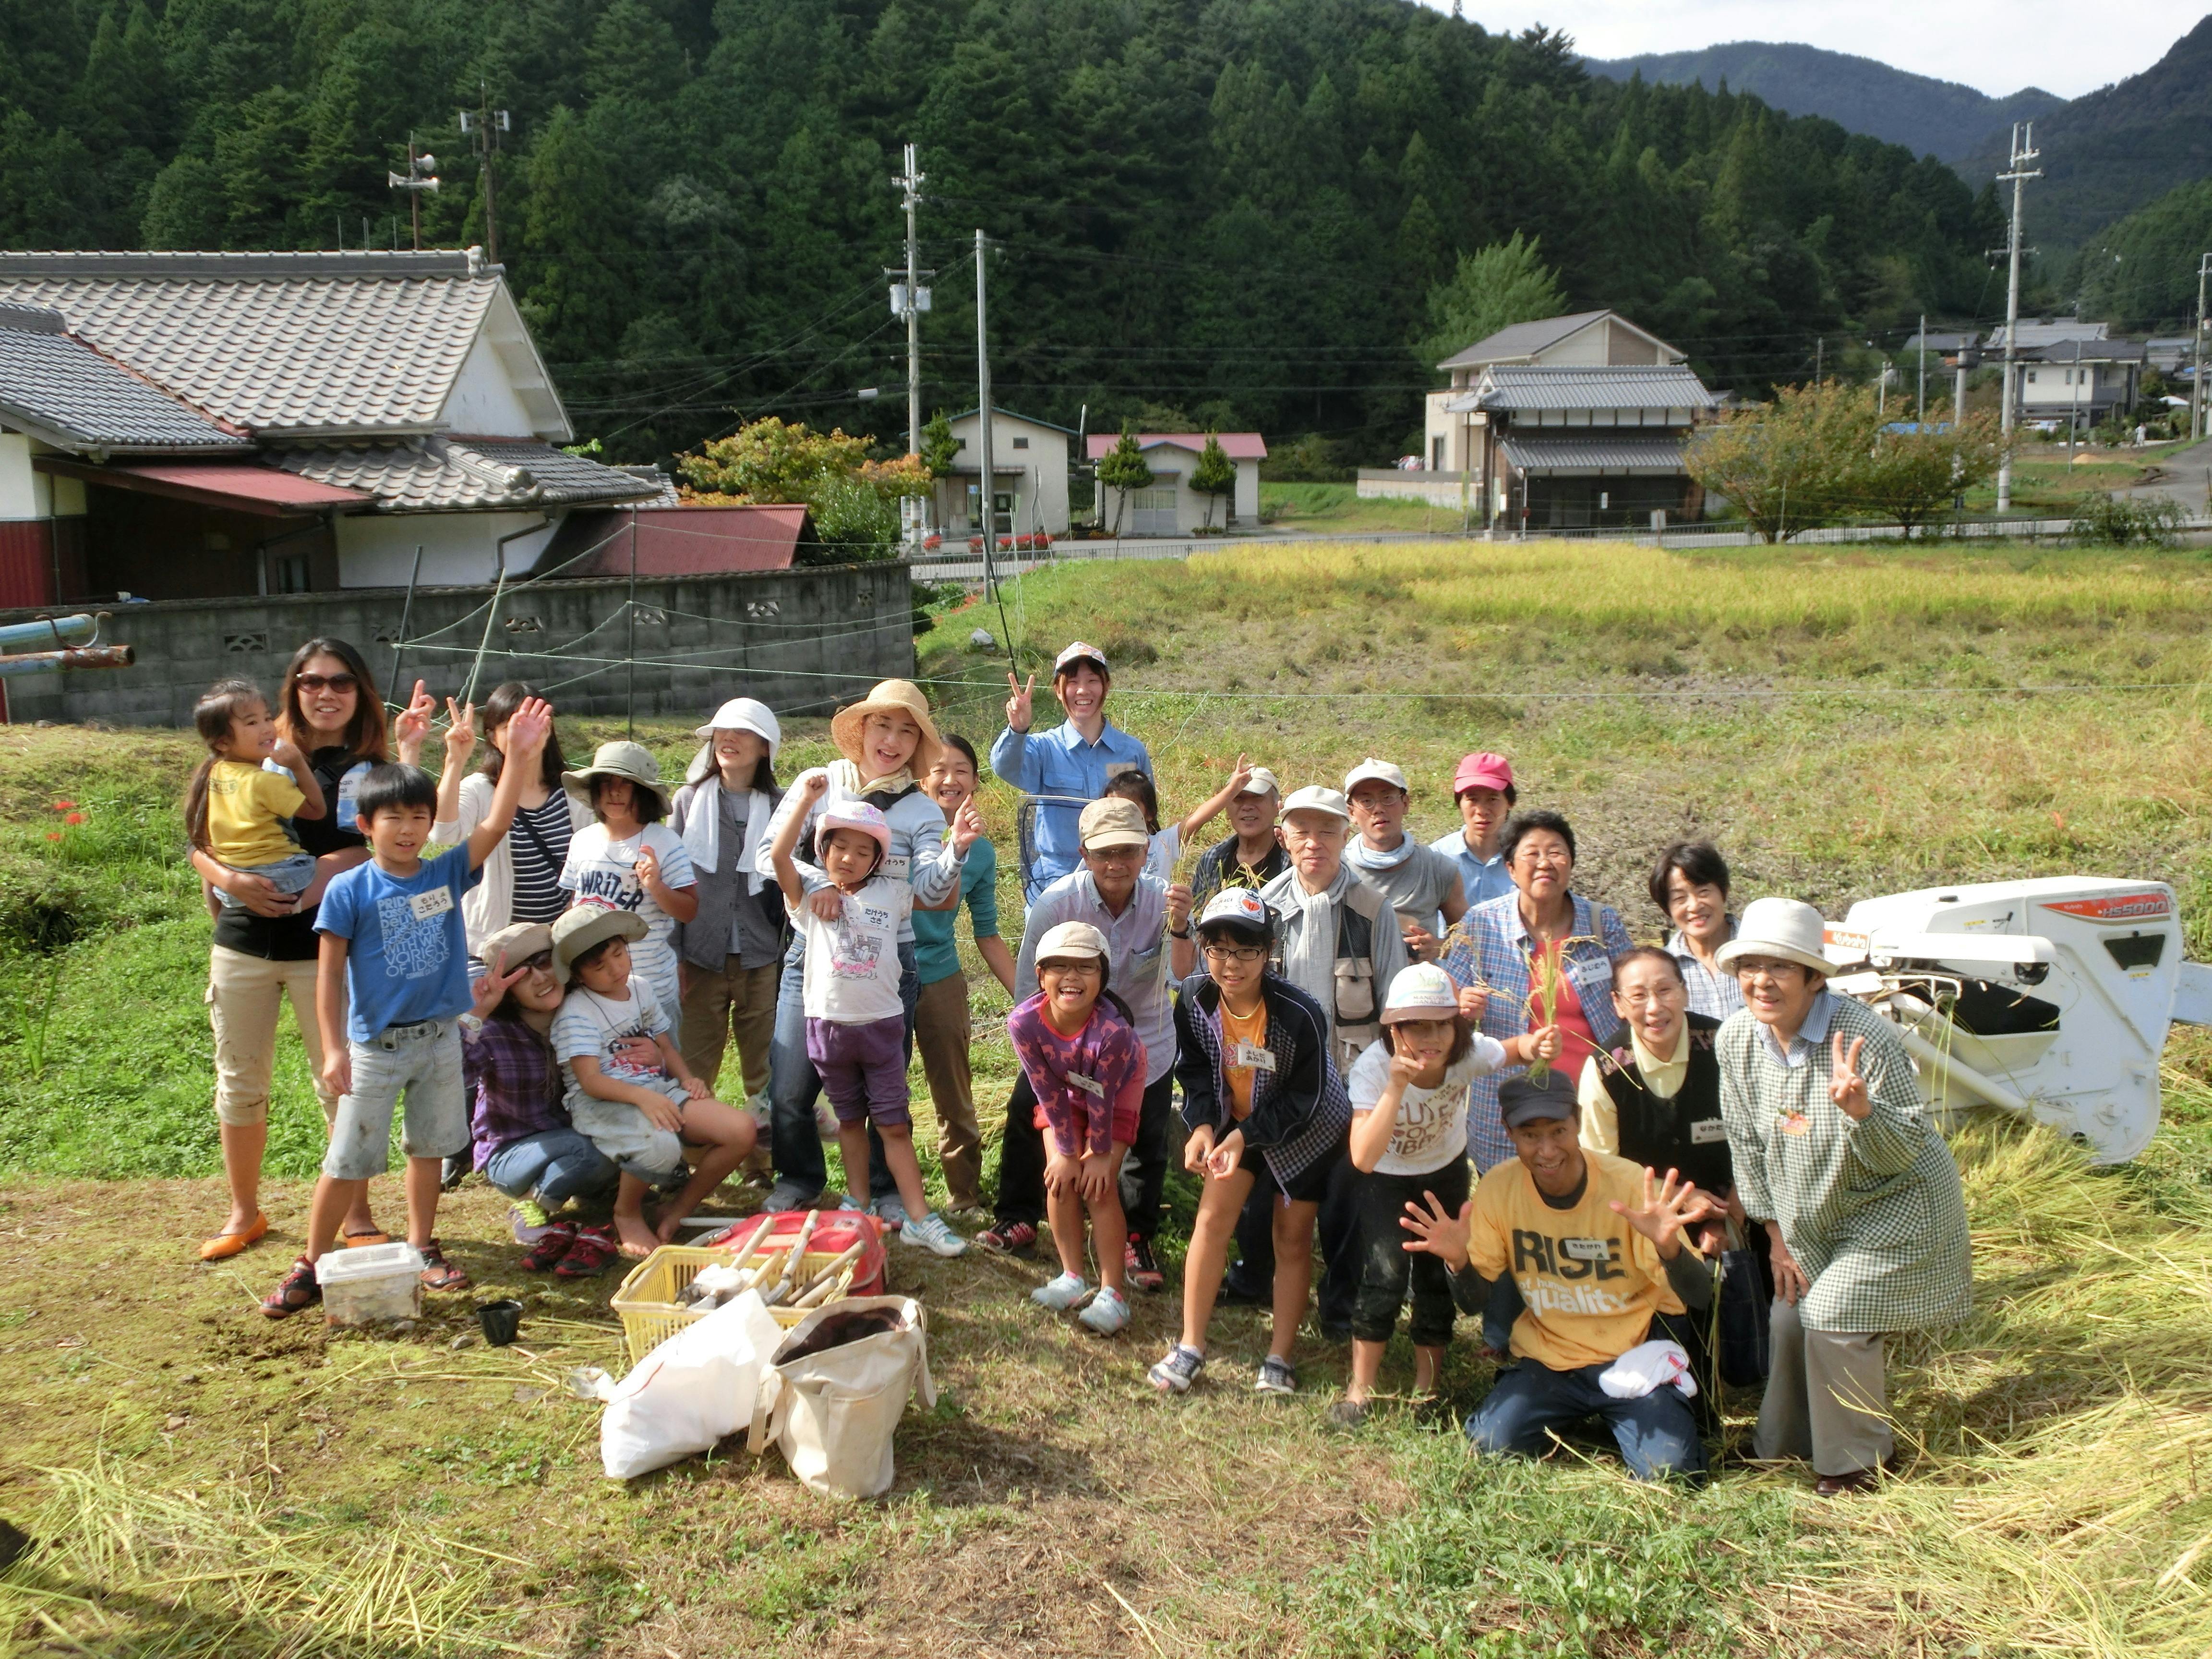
184	425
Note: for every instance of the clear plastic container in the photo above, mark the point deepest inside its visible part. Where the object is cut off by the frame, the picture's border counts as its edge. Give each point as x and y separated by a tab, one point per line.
376	1282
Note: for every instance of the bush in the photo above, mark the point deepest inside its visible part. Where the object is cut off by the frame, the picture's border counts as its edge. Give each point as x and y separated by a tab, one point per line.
2125	521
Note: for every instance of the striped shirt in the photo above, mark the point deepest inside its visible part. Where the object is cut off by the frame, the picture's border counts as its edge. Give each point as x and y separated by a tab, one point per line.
538	896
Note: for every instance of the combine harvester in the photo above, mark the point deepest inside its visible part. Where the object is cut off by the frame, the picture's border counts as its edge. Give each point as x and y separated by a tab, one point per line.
2050	998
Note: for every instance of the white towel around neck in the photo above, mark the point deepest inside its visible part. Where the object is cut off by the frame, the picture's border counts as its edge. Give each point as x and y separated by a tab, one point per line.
702	829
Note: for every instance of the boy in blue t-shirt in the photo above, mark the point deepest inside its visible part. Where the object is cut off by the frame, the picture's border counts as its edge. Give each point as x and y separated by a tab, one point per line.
393	946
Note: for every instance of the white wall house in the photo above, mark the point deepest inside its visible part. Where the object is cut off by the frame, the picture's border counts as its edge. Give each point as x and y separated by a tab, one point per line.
1586	339
1171	507
2080	382
1028	476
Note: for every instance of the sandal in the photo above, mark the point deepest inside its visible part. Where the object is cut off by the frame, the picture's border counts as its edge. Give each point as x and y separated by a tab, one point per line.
438	1273
551	1246
300	1291
588	1256
355	1240
223	1246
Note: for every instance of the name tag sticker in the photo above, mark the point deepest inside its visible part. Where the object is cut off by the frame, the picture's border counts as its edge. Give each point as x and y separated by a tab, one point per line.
1090	1086
1708	1132
1252	1054
1583	1249
1795	1123
429	906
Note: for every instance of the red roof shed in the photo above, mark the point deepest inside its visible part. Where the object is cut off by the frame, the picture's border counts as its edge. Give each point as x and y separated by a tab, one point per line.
677	541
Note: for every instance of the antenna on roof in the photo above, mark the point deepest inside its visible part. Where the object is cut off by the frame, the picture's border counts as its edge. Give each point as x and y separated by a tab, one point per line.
421	174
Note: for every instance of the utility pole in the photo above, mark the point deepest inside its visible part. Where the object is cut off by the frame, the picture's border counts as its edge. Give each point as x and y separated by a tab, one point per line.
421	174
983	405
1920	415
2074	413
2197	376
482	127
2022	153
909	299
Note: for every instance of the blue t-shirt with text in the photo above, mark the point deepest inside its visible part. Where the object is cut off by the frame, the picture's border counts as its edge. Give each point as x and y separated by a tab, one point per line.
407	958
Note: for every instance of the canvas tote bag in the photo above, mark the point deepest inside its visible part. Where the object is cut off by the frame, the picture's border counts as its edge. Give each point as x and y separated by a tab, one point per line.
836	1387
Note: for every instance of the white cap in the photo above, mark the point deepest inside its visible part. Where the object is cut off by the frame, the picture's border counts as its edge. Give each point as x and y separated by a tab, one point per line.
745	714
1261	782
1077	653
1318	798
1072	938
1377	771
1423	991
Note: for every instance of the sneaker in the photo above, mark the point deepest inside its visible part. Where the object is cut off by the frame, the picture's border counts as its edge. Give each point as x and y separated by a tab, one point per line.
588	1256
454	1170
787	1195
889	1210
1345	1415
553	1242
1061	1293
1276	1377
934	1235
299	1289
1107	1312
528	1218
1143	1267
845	1201
1176	1373
1009	1238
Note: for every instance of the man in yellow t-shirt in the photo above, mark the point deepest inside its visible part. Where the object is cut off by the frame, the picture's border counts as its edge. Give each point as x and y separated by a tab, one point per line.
1595	1244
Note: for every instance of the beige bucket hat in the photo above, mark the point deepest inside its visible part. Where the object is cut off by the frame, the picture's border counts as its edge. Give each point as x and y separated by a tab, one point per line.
1787	928
619	759
890	697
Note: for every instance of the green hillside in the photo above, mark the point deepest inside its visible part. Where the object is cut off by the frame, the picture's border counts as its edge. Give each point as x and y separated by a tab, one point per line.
1929	117
1203	210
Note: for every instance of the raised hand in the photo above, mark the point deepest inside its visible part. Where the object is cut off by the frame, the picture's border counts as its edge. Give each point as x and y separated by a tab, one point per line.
1403	1069
528	728
810	785
491	989
1019	706
410	727
460	731
646	866
1473	1000
1239	776
1846	1087
1437	1231
967	827
1663	1213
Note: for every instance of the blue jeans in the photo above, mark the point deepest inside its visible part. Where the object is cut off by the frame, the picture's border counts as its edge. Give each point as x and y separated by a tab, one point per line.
1657	1435
794	1085
560	1163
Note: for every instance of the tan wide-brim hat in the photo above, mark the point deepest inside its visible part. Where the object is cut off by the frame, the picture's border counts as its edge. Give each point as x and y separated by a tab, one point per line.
632	761
890	697
1788	929
579	928
515	944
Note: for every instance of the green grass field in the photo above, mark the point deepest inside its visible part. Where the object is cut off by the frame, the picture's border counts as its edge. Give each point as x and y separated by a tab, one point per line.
1844	721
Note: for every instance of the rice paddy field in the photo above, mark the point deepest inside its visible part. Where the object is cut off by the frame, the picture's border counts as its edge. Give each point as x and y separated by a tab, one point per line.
1844	722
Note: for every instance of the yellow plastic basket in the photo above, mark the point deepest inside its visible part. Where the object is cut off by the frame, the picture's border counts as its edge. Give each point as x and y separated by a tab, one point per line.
647	1298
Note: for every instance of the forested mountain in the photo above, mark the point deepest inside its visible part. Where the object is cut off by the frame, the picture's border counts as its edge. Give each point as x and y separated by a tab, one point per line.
1927	115
1231	208
2111	152
2141	272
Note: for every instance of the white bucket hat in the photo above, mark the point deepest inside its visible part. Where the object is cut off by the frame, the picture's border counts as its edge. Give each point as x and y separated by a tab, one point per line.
1789	929
744	714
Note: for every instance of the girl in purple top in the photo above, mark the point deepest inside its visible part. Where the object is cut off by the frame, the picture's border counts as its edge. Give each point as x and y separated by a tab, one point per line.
1086	1066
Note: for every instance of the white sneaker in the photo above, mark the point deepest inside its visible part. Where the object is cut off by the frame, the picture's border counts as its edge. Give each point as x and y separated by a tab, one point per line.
932	1233
1061	1293
1107	1312
846	1201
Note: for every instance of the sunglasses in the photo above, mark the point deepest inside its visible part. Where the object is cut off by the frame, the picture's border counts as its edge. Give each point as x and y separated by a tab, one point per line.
326	682
540	963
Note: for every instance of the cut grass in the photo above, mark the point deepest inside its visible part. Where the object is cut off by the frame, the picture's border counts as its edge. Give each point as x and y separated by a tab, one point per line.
1049	1504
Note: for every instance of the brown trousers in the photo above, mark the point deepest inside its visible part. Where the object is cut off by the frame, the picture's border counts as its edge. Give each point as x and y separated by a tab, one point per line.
725	1003
940	1033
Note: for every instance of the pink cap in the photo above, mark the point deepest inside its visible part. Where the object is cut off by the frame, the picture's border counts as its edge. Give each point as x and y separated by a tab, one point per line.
853	815
1483	771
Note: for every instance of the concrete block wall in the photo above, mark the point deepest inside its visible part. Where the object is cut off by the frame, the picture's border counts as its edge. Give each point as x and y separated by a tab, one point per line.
801	641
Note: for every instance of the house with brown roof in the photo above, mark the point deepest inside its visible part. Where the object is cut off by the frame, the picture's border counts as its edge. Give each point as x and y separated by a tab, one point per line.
1171	507
294	422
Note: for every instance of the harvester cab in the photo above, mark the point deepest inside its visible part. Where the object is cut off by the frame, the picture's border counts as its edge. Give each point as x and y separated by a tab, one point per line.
2049	998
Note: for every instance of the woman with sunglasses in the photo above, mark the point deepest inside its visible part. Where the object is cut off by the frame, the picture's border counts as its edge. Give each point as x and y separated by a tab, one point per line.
265	948
521	1134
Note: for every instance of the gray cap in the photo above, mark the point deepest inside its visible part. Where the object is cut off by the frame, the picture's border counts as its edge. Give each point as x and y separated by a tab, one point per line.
1523	1100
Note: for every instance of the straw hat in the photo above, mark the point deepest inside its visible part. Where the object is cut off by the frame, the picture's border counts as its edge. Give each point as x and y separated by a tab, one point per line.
1788	928
890	697
583	926
620	759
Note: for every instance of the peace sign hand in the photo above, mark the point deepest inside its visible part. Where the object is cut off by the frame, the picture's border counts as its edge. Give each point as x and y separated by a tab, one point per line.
1662	1216
1018	705
1846	1087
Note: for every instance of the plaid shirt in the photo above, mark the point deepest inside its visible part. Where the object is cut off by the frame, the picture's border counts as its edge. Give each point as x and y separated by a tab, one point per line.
1300	1111
514	1085
1713	993
1871	1210
1489	946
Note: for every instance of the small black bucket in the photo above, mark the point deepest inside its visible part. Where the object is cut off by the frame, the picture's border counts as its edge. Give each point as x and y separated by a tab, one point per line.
501	1320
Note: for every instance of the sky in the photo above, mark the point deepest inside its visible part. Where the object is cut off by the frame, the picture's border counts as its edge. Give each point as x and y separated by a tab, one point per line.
1998	45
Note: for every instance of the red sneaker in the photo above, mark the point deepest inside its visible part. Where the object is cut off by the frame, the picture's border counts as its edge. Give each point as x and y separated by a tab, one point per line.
588	1256
1141	1266
1011	1238
551	1246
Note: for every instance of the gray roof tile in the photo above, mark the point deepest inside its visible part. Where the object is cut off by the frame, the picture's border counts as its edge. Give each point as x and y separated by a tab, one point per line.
1514	387
69	395
439	475
306	344
1601	452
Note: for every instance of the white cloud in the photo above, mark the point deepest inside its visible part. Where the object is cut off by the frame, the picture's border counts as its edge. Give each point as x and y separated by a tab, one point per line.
1998	45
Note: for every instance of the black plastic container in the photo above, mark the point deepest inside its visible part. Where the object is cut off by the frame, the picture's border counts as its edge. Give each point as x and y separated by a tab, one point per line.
501	1320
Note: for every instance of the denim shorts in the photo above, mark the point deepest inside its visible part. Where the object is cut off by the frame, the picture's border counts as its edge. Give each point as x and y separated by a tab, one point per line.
421	1062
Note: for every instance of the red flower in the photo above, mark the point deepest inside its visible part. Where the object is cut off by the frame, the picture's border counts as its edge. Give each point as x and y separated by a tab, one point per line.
73	818
63	806
53	834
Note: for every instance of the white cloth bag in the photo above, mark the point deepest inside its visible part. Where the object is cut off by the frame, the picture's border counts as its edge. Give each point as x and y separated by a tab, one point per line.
696	1388
832	1412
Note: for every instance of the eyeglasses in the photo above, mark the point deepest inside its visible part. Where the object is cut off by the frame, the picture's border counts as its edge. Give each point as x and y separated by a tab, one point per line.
1564	860
1082	969
1664	993
1774	973
1244	955
324	681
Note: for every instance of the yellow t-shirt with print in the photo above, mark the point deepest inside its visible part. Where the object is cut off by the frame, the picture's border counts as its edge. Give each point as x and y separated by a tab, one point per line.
243	805
1591	1281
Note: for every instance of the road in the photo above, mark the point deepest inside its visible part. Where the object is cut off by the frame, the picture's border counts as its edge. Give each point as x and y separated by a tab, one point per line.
2184	476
